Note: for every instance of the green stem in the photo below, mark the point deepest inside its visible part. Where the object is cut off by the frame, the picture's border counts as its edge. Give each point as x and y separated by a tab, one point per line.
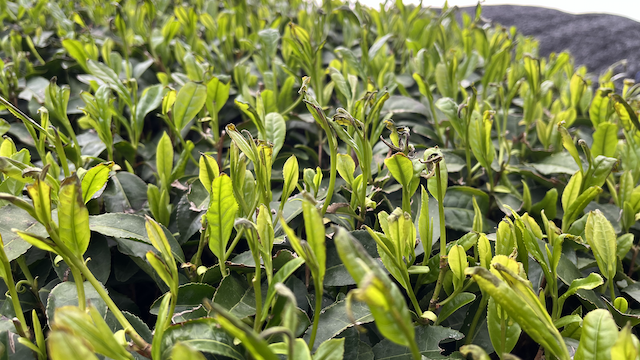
406	199
25	270
476	319
316	312
234	243
77	279
443	232
503	334
62	156
129	329
611	290
257	289
443	241
23	330
197	258
333	151
436	291
412	296
292	106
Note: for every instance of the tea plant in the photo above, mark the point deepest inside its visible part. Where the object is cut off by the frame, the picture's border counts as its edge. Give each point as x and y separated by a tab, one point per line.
266	180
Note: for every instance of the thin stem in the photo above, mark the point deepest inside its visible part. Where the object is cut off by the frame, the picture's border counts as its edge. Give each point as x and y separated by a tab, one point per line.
333	151
77	279
503	334
443	241
25	270
62	156
611	290
292	106
316	312
476	319
436	291
135	337
23	330
234	243
412	296
197	258
257	289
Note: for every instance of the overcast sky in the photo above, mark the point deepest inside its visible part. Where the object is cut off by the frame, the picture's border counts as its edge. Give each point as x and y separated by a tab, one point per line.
628	8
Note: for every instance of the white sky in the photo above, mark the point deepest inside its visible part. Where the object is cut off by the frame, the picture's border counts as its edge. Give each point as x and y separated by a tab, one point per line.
627	8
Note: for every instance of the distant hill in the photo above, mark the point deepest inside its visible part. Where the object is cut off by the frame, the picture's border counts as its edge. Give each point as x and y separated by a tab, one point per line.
595	40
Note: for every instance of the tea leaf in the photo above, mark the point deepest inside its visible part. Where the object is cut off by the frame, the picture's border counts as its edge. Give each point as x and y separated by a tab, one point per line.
275	129
73	217
599	334
602	239
221	215
150	100
189	101
95	181
208	171
605	140
164	160
503	331
291	173
401	168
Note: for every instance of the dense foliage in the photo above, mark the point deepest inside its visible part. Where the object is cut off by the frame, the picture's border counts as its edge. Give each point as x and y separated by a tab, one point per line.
277	179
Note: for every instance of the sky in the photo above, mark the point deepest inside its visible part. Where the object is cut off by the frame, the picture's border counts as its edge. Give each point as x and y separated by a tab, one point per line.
627	8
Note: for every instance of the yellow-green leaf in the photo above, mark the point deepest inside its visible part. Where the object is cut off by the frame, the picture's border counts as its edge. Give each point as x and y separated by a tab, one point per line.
73	216
572	190
458	263
401	168
188	103
599	334
221	215
314	228
64	346
567	142
208	170
291	174
346	167
95	180
626	347
184	352
605	140
601	237
164	160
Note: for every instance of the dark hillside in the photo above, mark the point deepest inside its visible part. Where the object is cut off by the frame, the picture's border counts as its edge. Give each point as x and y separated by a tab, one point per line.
595	40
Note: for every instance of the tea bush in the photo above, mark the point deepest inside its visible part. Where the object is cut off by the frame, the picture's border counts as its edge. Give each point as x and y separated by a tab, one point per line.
278	179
